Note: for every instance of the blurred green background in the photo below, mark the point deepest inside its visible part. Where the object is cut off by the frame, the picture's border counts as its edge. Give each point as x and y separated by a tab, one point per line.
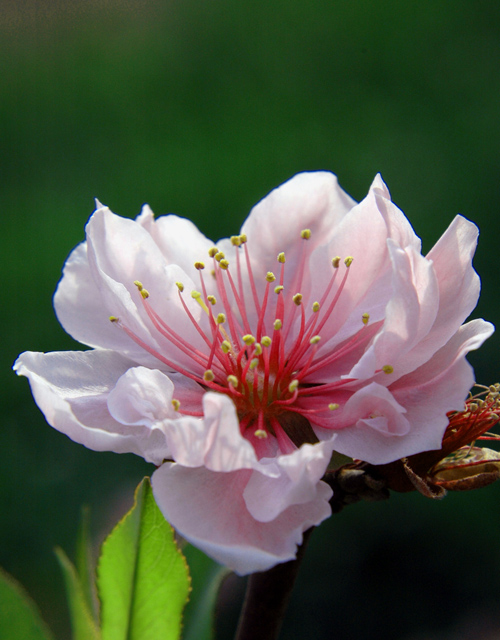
200	108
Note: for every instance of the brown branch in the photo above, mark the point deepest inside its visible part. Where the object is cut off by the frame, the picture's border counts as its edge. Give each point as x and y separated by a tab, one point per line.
266	599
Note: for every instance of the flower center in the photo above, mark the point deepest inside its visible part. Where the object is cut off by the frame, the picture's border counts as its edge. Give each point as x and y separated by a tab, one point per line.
260	342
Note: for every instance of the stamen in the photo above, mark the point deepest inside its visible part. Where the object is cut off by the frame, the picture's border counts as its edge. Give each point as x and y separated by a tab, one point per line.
305	234
233	381
388	369
144	292
196	295
176	404
365	317
333	406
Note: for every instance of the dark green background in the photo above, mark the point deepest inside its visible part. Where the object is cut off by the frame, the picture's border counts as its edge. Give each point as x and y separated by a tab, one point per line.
200	108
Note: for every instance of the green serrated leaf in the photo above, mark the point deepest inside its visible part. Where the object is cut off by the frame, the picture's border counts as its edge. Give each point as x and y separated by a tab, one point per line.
206	576
142	577
19	616
82	621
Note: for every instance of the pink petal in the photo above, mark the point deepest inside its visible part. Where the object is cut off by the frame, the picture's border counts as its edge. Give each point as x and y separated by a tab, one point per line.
398	226
71	388
307	201
300	473
208	509
178	239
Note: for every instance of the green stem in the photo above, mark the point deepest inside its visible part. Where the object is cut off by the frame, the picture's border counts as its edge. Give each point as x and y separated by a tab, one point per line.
266	599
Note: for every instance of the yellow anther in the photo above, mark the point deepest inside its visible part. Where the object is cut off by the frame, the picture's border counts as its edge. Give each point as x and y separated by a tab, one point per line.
297	298
221	318
254	363
365	317
113	319
248	339
208	376
348	261
279	288
233	381
138	284
224	264
258	349
243	238
260	433
387	368
195	295
213	251
180	286
315	307
315	340
212	299
332	406
225	346
219	256
336	262
305	234
265	341
176	404
277	325
212	273
473	406
199	266
144	293
235	241
281	257
293	386
270	277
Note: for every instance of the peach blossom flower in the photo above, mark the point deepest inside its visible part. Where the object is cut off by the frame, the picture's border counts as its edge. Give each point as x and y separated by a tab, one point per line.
238	368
